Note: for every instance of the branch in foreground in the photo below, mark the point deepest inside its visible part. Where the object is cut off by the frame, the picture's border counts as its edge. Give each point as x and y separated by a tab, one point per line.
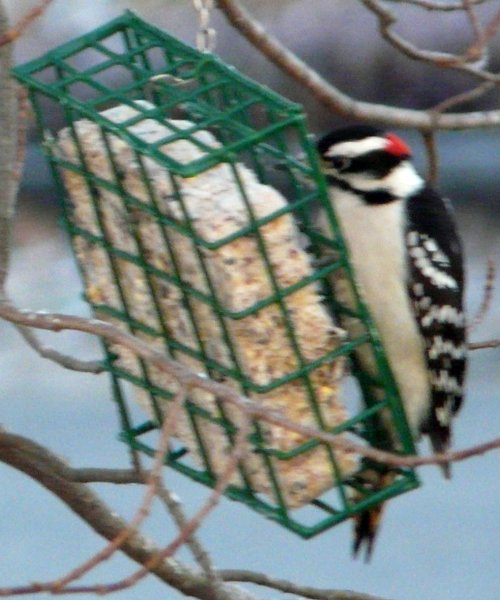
23	24
484	345
22	132
186	377
287	587
462	98
488	289
386	21
439	6
63	360
174	507
116	476
143	510
429	138
54	474
239	449
332	97
8	148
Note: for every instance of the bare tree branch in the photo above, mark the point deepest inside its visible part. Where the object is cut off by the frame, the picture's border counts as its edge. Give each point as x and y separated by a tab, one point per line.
332	97
115	476
489	285
130	476
12	146
22	131
386	21
290	588
492	28
478	50
463	97
7	37
50	471
432	156
185	377
8	148
63	360
145	507
484	345
438	6
174	507
237	452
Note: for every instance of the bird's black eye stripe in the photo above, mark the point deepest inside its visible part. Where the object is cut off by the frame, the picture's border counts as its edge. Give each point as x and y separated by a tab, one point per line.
340	163
377	163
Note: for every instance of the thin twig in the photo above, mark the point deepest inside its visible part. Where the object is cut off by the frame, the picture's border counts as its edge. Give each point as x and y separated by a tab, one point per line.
463	97
169	499
431	5
144	509
54	474
387	20
23	24
186	377
22	131
335	100
492	27
238	451
484	345
432	156
63	360
13	109
174	507
116	476
478	50
288	587
8	148
489	286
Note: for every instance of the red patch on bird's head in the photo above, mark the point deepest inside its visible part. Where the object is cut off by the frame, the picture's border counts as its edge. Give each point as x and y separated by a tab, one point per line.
396	146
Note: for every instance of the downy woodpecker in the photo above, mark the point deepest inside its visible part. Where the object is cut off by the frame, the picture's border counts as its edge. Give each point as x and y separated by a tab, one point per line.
407	261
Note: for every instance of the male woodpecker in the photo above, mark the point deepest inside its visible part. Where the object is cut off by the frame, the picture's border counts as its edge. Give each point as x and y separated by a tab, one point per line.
408	264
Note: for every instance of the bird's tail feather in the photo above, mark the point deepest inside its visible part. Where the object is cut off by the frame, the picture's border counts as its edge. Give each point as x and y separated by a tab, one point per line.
367	523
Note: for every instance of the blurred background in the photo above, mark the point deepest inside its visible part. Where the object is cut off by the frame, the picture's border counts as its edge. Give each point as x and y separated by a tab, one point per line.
439	542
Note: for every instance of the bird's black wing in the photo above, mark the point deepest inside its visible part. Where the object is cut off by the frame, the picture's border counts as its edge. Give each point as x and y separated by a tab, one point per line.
436	283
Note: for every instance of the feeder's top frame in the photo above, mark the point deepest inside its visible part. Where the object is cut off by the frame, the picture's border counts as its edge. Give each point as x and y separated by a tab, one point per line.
192	66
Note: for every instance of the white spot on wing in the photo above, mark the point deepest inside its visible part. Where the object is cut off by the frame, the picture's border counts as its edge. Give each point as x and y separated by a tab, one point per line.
430	245
426	256
444	414
446	383
412	238
441	347
437	277
444	314
418	289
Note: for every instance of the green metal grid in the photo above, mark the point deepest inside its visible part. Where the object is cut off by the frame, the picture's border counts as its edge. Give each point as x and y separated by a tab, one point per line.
116	64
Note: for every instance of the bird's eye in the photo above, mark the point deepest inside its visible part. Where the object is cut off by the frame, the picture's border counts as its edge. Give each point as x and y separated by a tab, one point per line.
340	163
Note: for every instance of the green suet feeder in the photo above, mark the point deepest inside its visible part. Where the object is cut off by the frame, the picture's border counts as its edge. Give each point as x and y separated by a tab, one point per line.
174	168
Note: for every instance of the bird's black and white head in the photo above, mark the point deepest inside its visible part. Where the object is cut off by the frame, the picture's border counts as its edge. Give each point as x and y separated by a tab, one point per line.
369	162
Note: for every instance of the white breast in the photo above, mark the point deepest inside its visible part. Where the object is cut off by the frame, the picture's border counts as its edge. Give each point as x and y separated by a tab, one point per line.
375	240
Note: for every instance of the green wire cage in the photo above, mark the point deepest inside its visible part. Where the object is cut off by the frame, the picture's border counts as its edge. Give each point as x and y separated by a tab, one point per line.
159	259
